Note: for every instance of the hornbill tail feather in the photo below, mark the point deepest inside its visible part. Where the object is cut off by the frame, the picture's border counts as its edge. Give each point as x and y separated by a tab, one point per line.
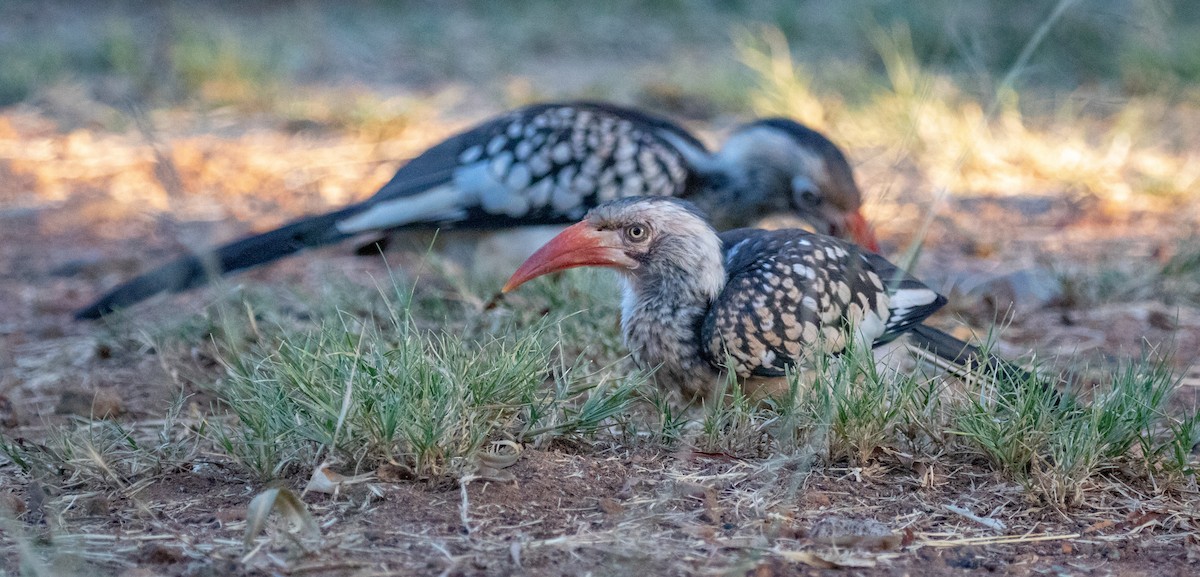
961	358
194	270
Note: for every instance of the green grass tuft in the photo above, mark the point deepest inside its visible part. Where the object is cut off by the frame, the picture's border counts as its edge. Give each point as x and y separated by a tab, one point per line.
376	390
1056	445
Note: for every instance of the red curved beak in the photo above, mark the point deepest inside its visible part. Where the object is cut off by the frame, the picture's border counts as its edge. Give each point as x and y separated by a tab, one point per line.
579	245
861	231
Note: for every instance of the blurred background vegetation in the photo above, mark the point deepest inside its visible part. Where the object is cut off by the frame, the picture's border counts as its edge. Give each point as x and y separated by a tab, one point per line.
255	53
991	96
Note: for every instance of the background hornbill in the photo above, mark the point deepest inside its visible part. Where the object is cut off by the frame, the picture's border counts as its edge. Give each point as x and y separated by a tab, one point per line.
781	165
764	300
549	164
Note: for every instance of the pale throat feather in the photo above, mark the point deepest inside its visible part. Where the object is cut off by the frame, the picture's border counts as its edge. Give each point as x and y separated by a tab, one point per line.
663	307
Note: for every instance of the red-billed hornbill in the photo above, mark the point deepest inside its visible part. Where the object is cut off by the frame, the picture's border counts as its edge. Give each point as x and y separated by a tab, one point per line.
696	301
782	165
549	164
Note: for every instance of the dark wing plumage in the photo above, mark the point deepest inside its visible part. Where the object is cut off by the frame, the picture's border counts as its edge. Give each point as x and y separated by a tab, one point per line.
542	126
791	294
908	298
542	164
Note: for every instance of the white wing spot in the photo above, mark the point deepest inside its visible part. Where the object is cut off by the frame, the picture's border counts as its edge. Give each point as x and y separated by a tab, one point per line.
518	177
561	153
564	200
524	149
471	154
496	144
501	163
539	164
539	193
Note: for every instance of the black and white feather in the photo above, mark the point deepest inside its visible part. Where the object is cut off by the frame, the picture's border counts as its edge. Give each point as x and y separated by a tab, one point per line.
542	164
782	164
752	301
549	164
791	294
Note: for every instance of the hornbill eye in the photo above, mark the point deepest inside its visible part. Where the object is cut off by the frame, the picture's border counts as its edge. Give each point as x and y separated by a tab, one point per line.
635	232
805	192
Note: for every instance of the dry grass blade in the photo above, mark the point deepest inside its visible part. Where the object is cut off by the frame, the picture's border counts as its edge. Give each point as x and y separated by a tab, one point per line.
985	521
997	540
500	460
830	560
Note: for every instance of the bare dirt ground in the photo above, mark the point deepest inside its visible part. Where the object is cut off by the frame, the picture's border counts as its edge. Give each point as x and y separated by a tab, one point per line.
67	231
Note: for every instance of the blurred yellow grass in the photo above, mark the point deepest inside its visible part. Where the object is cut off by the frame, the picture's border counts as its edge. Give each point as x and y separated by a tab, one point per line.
928	121
261	176
916	127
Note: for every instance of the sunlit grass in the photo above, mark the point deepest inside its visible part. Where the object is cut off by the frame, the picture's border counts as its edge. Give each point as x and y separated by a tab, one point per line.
928	117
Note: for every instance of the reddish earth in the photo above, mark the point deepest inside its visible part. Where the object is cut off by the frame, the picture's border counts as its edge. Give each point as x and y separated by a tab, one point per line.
580	509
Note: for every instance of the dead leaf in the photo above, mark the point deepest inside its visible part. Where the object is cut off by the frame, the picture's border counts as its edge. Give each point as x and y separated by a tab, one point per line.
11	504
1137	521
708	495
1099	526
289	506
326	480
611	506
818	499
100	404
394	473
484	473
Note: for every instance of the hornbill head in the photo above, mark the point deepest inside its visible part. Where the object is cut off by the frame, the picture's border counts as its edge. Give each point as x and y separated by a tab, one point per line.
782	164
642	238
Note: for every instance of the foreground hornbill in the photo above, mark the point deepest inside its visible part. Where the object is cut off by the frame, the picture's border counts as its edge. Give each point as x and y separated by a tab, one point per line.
755	301
549	164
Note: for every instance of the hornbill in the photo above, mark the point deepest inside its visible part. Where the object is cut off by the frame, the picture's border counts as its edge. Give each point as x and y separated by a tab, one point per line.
754	301
549	164
781	165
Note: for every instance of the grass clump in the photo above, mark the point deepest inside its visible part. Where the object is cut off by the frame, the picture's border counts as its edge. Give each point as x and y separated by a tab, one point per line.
845	407
734	423
428	400
1128	276
867	409
107	453
1057	445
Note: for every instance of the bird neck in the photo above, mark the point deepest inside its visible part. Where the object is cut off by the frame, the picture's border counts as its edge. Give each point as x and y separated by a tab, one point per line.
663	309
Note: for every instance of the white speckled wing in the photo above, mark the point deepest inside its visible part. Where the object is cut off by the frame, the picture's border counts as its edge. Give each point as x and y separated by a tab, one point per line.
541	164
791	294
